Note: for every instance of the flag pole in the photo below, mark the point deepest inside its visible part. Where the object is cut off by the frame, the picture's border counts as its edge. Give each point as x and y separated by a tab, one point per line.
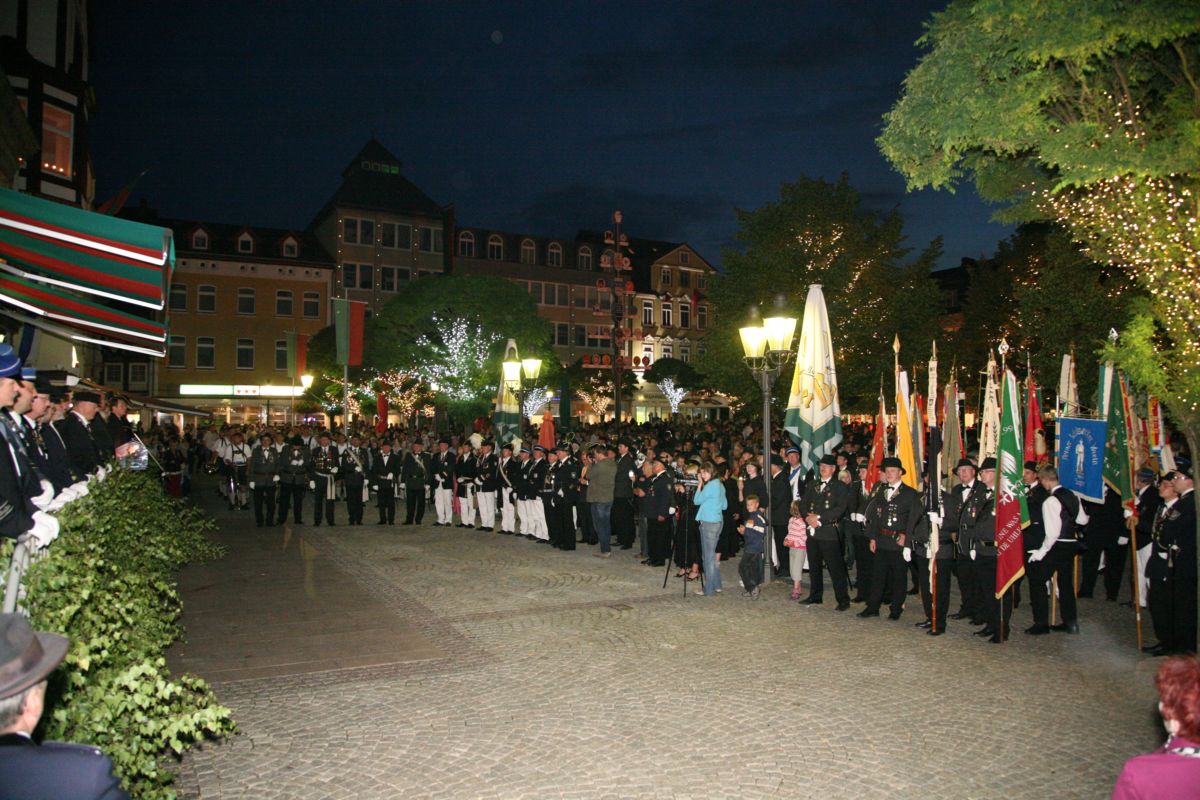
935	493
1003	348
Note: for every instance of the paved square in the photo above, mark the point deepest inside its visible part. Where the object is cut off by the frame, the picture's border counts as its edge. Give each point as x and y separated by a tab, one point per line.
375	662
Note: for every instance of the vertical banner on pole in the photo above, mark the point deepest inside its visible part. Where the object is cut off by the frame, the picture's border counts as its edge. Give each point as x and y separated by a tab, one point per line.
1012	510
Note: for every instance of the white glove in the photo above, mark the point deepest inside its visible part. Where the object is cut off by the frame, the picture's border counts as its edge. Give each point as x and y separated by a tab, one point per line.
312	485
972	555
333	471
859	518
1123	540
1163	556
251	484
935	518
389	476
560	492
45	528
671	511
275	478
1036	555
358	469
631	475
43	498
1128	513
907	553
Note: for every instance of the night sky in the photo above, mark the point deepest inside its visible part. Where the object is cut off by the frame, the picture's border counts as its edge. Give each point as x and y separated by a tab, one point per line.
536	117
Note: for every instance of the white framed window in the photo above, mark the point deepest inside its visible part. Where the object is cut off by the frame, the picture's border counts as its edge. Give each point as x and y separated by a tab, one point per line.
701	317
495	248
206	352
200	240
685	315
554	255
178	297
245	301
283	303
647	353
666	315
647	312
245	354
395	235
58	137
685	353
584	259
290	248
114	374
431	240
280	355
564	295
668	350
139	375
206	299
177	352
358	231
466	244
581	336
666	276
599	336
528	252
245	243
312	305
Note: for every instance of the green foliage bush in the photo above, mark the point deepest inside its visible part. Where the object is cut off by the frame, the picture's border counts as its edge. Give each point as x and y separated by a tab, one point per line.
108	583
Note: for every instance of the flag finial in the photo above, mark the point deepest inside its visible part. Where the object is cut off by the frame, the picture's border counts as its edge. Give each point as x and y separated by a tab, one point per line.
1003	348
935	349
896	345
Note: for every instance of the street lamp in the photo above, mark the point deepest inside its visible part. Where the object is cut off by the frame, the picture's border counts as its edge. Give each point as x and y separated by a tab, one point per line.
521	377
766	349
306	381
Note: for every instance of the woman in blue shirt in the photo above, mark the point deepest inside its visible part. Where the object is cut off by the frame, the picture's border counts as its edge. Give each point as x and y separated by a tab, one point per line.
710	503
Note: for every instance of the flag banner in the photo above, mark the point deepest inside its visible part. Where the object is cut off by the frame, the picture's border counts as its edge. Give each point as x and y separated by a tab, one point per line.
813	417
1158	428
381	411
952	446
1114	405
1035	431
1068	389
1012	509
933	467
348	319
1081	456
297	354
906	449
989	425
507	417
878	446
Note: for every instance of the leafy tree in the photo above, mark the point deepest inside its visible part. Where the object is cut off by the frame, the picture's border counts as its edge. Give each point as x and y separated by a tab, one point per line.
595	387
818	232
674	378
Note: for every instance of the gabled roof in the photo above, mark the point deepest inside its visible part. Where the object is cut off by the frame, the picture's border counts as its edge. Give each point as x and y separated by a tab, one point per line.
373	181
643	254
268	243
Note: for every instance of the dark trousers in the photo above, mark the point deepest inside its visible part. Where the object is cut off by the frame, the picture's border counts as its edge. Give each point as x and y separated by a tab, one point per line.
780	533
863	558
414	503
292	494
997	611
264	495
888	569
566	524
750	570
354	504
1172	603
968	586
553	521
659	534
385	501
622	521
824	553
1114	567
945	568
322	508
587	531
1060	560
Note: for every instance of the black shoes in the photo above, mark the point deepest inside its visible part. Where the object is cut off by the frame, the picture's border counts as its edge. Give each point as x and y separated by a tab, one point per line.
960	615
895	615
811	601
1066	627
925	624
842	606
1038	630
985	632
866	612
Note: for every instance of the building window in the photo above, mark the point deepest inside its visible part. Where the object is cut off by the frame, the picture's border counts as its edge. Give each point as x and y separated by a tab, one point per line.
599	336
685	279
580	336
666	315
206	299
245	243
528	252
114	374
281	355
685	315
685	354
584	260
647	353
554	254
535	291
58	132
358	231
668	350
701	317
206	352
562	334
312	305
199	240
395	235
431	240
387	279
701	282
666	276
176	351
283	303
647	312
139	376
685	257
366	276
466	244
495	248
564	294
403	276
178	297
245	301
350	276
290	248
245	354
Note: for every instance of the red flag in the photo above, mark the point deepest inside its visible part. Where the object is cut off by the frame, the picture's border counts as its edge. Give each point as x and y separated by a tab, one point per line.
301	353
878	445
113	205
381	408
1035	431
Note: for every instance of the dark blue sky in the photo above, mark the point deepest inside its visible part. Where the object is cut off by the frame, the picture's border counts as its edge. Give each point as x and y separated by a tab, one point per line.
530	116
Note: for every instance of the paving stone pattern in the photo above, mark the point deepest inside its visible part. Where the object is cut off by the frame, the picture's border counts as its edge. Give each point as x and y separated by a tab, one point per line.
559	675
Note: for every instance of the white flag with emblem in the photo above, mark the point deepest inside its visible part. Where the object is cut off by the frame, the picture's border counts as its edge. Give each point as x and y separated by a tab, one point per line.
813	416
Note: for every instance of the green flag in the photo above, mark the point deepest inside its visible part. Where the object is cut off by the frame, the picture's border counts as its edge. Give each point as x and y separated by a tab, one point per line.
1114	407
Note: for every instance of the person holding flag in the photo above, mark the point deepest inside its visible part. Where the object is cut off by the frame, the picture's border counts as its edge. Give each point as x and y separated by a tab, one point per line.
895	515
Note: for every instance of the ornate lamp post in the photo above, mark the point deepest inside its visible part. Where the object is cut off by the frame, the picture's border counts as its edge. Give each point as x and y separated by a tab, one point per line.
767	348
521	378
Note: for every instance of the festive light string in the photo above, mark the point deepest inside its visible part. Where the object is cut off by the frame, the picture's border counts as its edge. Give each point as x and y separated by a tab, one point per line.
534	401
463	348
674	394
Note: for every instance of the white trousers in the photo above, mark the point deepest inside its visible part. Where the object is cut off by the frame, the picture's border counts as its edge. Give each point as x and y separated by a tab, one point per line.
443	504
1143	559
466	506
508	512
526	516
537	520
487	509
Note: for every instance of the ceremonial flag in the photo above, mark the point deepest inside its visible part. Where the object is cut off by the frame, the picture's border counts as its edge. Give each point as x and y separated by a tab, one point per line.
1081	456
507	418
1158	429
933	468
113	205
906	449
1012	509
381	410
813	417
989	425
297	354
1068	389
952	437
878	446
348	319
1114	407
1035	432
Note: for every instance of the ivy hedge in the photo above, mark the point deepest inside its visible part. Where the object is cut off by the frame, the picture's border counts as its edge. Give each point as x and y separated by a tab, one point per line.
108	583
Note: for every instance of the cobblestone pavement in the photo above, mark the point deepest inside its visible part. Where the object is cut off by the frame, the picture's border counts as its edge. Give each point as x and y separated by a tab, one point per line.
559	675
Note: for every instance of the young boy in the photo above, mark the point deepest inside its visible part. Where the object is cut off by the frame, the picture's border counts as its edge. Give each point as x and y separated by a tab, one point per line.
754	531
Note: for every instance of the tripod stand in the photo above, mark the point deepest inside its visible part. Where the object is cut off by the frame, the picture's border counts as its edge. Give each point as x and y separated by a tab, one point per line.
689	491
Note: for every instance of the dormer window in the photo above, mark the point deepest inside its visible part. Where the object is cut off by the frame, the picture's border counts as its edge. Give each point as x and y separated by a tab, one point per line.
245	243
528	252
554	255
200	240
290	248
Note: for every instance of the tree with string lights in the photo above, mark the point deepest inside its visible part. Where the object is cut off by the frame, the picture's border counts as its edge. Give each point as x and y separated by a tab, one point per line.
675	379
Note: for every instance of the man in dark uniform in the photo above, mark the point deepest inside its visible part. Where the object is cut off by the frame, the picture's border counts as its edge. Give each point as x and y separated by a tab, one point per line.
415	474
98	425
465	471
441	480
825	504
997	612
942	561
19	482
62	469
551	502
962	503
119	429
856	530
535	480
1054	555
1148	501
508	472
1035	532
1102	536
77	435
658	505
567	481
623	523
293	477
322	478
384	471
264	474
780	511
487	483
894	513
353	470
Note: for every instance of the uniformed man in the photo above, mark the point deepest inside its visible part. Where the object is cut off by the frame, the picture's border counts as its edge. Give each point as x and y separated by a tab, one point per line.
894	514
856	529
441	479
384	472
19	483
1105	537
62	469
1179	586
659	505
795	473
322	478
551	500
293	477
623	527
264	475
50	450
1054	555
508	472
962	503
824	506
487	482
524	488
566	481
997	612
934	557
415	475
466	470
237	462
119	429
535	479
76	432
353	470
1148	502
